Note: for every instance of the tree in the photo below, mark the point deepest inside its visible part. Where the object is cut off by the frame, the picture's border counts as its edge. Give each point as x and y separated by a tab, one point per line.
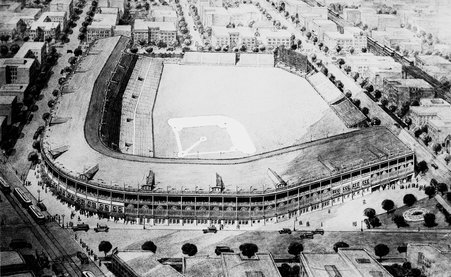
422	167
447	158
364	50
429	220
365	110
392	108
377	94
340	244
149	246
357	102
384	102
189	249
437	147
149	50
105	246
399	220
248	249
308	35
375	222
430	191
369	212
375	121
381	250
78	51
134	50
14	48
351	50
442	188
409	199
388	205
4	50
295	248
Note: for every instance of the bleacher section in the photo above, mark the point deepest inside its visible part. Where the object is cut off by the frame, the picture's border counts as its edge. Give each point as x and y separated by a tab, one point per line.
209	58
342	106
260	60
136	136
114	78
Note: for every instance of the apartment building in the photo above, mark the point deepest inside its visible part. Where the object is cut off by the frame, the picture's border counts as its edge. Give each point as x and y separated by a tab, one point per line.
149	31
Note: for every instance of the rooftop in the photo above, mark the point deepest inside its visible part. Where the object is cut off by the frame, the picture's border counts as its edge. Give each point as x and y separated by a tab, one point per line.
145	264
19	62
338	35
204	266
236	265
103	20
7	100
413	83
2	120
144	25
433	60
45	14
345	263
10	257
13	87
27	46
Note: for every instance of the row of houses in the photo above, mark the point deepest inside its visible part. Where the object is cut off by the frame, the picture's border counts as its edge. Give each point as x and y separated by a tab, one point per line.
17	75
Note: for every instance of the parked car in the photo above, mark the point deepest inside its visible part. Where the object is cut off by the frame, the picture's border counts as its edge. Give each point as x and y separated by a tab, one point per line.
222	249
211	229
69	51
88	274
19	243
285	231
81	227
82	257
434	166
101	228
306	235
318	231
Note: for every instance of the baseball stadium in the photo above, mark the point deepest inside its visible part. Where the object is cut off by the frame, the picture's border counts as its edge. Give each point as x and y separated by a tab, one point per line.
211	138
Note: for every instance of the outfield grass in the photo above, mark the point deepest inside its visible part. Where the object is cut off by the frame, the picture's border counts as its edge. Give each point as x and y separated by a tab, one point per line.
277	109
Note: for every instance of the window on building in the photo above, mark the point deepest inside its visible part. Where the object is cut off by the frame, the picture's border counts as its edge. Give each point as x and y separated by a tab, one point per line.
363	261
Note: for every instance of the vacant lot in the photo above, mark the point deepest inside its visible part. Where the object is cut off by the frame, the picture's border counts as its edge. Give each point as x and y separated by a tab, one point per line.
277	109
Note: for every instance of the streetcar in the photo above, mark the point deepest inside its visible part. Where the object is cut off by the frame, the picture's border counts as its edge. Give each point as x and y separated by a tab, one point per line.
23	198
36	214
6	188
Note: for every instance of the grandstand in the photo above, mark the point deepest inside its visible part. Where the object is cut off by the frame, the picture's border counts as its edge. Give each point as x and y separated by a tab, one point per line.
343	107
115	86
136	136
209	58
249	59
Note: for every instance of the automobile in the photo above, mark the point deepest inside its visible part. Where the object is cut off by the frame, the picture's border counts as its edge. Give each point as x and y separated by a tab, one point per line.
69	51
285	231
211	229
88	274
43	259
222	249
169	49
41	206
318	231
82	257
306	235
19	243
81	227
434	166
101	228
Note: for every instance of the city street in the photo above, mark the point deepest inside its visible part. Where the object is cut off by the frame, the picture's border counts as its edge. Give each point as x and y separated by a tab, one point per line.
19	161
195	36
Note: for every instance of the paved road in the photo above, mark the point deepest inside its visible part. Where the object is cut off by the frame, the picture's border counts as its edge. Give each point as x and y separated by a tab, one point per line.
195	36
19	161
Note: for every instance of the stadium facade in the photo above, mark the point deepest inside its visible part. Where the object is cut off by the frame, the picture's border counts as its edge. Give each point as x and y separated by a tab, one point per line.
316	174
